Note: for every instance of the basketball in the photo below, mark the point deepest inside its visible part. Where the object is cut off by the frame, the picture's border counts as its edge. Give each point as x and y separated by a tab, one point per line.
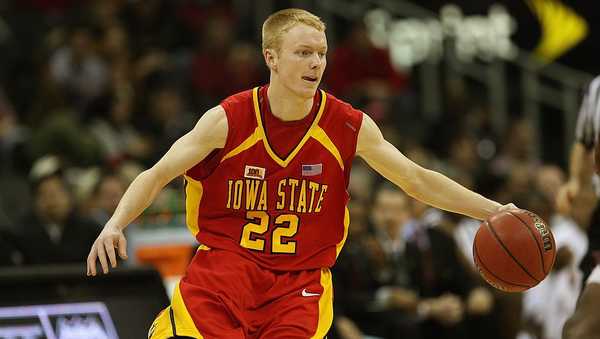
514	250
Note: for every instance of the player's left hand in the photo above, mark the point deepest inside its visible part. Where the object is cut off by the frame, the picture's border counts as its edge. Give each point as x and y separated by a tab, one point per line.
103	249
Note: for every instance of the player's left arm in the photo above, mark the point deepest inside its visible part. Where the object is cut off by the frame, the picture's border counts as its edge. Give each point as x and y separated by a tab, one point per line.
428	186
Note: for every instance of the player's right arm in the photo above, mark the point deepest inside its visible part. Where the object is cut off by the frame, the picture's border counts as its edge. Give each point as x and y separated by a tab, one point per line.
430	187
209	134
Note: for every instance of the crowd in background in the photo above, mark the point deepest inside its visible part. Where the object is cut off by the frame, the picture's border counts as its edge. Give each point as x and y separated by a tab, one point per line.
94	91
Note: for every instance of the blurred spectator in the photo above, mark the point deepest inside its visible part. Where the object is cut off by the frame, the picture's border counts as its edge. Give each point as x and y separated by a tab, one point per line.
244	67
396	293
221	66
6	39
362	181
78	67
504	321
355	285
518	149
47	99
463	154
374	292
63	134
413	281
166	117
50	7
106	196
14	195
105	13
114	130
9	254
517	183
12	135
462	162
114	44
548	180
154	25
449	293
53	232
372	73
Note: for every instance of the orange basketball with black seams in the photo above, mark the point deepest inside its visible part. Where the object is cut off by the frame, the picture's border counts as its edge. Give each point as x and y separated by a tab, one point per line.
514	250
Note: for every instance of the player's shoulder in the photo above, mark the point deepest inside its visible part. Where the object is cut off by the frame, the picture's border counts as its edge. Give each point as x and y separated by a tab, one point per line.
237	99
337	102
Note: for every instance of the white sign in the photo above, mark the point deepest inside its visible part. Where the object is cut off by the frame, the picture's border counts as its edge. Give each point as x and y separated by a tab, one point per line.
58	321
414	40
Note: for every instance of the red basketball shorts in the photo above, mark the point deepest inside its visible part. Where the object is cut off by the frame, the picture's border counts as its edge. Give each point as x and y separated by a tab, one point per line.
224	295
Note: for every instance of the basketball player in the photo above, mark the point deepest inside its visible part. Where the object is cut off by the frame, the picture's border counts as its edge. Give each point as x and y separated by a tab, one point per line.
266	173
585	322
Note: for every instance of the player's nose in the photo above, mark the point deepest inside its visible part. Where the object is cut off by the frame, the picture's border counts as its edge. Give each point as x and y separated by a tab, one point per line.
316	61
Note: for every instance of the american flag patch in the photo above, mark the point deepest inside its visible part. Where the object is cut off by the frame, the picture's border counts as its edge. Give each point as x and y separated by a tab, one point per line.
310	170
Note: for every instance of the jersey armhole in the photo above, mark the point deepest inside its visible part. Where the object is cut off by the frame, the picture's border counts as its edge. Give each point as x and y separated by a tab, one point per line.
230	127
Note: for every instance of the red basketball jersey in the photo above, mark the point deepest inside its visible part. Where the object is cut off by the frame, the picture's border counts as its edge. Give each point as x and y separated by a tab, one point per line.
284	213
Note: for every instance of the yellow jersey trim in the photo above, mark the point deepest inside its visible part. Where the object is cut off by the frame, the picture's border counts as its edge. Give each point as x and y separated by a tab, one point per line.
340	245
255	137
174	319
203	248
325	305
261	130
319	134
193	196
183	320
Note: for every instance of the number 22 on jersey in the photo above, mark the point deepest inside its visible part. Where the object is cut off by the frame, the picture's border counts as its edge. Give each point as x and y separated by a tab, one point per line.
286	226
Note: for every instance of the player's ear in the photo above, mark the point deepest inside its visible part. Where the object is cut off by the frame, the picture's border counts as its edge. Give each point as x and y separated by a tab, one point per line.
271	59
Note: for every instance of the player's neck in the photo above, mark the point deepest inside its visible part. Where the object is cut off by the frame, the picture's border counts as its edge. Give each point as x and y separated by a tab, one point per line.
286	105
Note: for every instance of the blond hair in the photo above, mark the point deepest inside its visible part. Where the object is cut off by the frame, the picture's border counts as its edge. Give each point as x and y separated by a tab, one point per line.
282	21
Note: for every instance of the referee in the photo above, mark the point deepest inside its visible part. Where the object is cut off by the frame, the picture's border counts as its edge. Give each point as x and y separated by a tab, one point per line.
581	170
585	322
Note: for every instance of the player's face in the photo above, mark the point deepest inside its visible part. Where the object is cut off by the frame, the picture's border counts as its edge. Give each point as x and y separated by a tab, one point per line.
301	60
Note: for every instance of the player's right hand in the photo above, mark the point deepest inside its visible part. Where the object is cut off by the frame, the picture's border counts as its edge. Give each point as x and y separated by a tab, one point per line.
564	197
110	238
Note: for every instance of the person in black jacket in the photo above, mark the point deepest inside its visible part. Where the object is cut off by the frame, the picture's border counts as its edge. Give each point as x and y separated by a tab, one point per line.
453	302
373	294
403	277
53	231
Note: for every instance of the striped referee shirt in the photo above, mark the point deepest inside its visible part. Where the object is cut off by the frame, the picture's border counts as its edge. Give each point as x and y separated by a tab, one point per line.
588	121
